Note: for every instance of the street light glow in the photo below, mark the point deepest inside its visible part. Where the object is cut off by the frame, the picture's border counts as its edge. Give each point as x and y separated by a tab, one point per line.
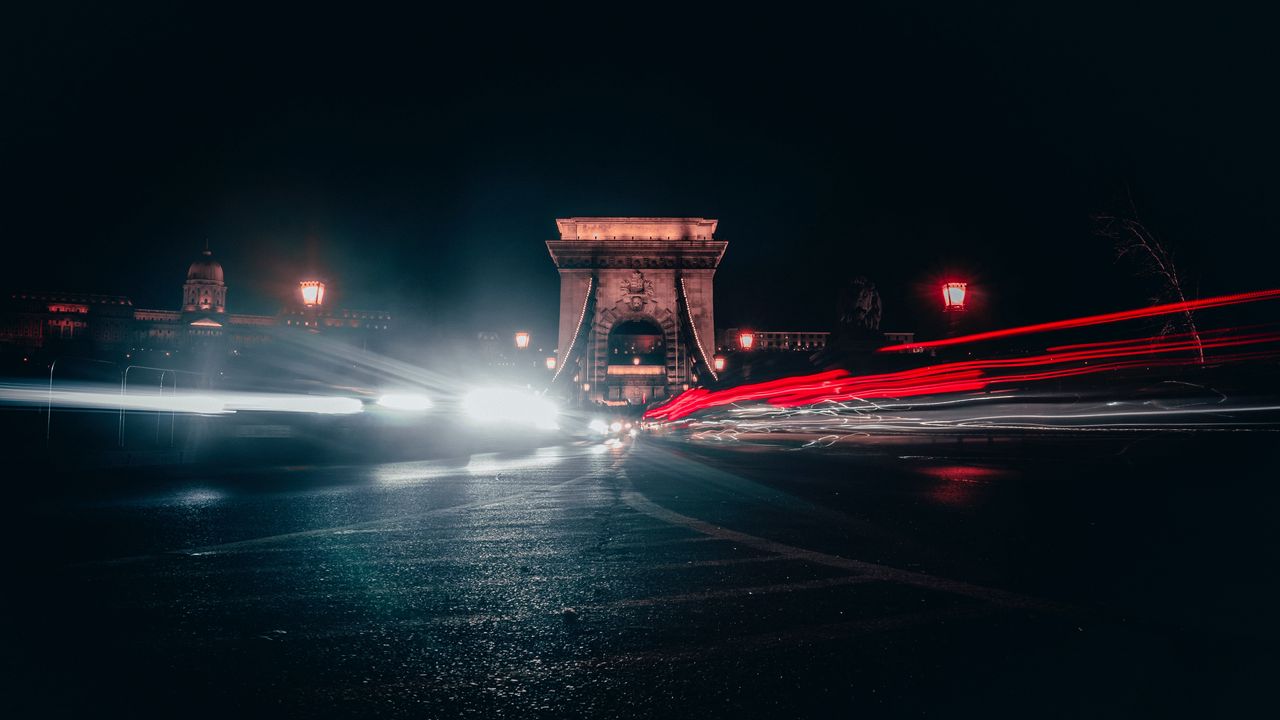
522	340
312	292
953	295
746	340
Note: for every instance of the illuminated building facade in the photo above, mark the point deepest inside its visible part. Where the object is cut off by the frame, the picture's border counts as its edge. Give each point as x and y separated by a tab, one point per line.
793	341
110	326
34	320
730	340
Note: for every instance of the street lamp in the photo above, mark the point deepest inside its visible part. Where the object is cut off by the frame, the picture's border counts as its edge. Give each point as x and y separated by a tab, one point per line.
718	363
312	292
953	296
953	304
551	362
522	340
746	340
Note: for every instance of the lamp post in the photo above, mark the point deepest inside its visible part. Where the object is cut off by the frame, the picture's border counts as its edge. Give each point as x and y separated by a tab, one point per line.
746	339
953	297
522	340
312	292
718	363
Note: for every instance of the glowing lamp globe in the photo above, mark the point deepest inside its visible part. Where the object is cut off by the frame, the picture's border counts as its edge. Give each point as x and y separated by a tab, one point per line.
718	363
746	340
522	340
312	292
953	295
551	363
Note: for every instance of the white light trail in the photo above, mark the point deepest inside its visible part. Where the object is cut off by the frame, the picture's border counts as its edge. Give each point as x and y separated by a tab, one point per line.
199	403
405	402
826	425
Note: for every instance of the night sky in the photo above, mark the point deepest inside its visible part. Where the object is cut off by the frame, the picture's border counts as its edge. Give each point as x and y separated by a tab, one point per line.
419	161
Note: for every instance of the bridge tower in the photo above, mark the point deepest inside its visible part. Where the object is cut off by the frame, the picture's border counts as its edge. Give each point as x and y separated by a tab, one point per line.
637	322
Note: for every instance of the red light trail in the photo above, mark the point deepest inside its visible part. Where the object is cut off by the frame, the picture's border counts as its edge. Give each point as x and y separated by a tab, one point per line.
1058	362
1153	311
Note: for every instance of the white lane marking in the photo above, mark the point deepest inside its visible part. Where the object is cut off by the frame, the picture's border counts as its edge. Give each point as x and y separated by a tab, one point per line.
730	593
638	502
716	563
506	553
654	543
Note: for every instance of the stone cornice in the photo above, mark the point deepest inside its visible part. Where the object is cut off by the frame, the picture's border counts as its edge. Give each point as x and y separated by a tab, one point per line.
636	253
636	228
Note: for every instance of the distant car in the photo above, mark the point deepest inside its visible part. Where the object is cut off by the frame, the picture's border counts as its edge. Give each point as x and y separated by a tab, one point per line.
605	426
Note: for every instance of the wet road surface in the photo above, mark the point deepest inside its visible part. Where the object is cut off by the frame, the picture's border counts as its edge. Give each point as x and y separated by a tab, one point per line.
659	579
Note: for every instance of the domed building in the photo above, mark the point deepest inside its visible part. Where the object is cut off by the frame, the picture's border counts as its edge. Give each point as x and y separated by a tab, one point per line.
110	326
205	289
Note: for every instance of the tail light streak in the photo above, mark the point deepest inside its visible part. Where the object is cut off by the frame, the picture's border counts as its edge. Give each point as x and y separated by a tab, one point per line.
1058	362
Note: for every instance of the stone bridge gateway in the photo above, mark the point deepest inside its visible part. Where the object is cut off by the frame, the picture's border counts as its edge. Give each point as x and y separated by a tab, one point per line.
637	319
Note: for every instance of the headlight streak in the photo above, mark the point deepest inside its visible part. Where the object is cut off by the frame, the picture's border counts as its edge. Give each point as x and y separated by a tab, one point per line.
91	397
834	429
405	402
768	419
992	421
510	406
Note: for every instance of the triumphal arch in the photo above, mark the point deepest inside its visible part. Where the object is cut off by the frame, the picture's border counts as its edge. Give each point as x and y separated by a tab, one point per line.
636	318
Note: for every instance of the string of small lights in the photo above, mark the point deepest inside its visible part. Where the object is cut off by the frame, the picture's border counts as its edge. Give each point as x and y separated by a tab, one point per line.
697	341
573	340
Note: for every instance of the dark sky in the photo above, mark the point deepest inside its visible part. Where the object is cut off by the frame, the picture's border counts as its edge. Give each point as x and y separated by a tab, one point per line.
419	160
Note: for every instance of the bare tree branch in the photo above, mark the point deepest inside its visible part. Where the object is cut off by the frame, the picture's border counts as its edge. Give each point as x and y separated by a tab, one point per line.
1132	240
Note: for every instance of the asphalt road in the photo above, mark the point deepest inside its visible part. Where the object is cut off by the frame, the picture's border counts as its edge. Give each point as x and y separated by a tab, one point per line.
1110	577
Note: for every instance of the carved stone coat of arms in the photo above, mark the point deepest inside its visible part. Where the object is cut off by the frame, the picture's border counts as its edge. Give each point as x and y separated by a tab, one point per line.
637	291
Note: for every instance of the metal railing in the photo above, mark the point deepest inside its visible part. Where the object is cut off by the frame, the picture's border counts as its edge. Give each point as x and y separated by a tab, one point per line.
124	386
48	420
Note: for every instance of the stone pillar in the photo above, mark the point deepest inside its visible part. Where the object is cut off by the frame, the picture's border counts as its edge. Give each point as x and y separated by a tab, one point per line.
573	291
698	293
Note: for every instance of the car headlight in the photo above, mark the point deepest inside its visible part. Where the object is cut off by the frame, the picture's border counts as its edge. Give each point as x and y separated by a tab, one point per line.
405	402
516	407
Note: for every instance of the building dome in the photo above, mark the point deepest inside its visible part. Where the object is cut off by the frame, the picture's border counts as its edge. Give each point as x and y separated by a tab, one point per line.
204	290
205	269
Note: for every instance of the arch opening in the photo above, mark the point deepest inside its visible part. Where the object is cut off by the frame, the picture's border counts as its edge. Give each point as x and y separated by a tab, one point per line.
636	371
637	342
